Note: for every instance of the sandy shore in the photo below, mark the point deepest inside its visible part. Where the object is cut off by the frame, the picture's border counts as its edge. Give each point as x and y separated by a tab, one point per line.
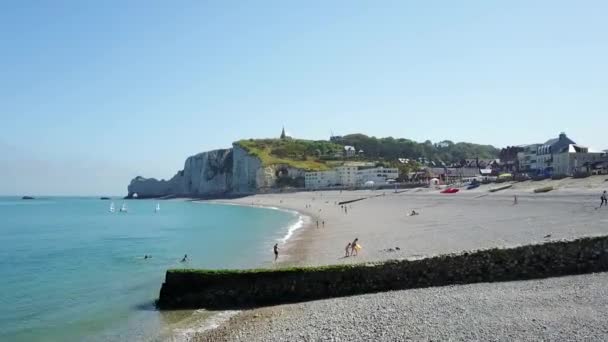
446	223
467	220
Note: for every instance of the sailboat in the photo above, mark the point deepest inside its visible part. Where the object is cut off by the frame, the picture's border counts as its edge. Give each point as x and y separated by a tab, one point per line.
112	207
123	209
157	207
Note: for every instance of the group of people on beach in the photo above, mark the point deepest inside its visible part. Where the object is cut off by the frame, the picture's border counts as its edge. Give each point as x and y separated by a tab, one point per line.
352	248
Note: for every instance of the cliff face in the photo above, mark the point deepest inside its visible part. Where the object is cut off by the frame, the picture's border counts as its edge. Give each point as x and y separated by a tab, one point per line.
215	173
208	173
245	169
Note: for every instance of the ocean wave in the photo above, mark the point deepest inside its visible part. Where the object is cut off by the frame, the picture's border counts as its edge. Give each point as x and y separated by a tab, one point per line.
301	222
205	324
292	228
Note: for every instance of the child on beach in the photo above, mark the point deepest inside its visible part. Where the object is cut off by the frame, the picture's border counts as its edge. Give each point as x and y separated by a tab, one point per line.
347	250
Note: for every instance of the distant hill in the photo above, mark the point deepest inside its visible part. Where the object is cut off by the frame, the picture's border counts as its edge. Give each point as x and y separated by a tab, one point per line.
321	154
390	148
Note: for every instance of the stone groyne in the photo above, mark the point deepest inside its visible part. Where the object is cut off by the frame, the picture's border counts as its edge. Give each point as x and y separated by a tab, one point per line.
185	288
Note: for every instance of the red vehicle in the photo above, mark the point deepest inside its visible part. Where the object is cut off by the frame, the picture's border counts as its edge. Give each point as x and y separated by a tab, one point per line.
450	191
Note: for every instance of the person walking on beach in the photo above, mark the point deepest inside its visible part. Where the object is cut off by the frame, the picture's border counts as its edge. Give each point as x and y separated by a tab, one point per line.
354	247
347	250
514	199
604	199
276	251
317	223
323	224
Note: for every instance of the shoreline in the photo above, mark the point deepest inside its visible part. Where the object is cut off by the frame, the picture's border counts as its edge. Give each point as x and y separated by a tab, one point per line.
291	252
193	330
446	224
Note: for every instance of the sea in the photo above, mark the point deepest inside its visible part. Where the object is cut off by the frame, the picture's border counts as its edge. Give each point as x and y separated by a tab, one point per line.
72	270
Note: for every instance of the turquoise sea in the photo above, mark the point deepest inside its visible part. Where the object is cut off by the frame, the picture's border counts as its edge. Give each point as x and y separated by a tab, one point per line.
71	270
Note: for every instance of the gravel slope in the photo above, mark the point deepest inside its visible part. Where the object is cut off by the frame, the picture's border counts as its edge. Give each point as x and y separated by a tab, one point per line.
555	309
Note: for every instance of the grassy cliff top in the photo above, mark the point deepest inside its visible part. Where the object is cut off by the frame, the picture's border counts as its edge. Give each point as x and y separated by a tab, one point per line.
301	154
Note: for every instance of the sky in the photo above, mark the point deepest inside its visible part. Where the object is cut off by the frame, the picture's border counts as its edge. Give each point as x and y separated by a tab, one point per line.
94	93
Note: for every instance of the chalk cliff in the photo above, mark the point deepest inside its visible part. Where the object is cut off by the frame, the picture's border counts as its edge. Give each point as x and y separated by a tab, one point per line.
217	173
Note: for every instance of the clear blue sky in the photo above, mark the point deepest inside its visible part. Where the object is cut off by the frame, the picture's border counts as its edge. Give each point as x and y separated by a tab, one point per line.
93	93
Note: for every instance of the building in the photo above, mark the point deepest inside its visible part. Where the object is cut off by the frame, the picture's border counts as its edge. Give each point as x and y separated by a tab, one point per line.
350	176
546	152
527	158
452	174
349	151
347	175
573	159
321	179
509	161
378	175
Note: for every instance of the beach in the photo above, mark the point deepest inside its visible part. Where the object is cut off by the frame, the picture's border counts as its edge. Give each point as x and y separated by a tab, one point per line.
557	308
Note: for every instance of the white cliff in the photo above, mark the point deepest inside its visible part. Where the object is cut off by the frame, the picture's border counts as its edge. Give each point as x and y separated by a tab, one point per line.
215	173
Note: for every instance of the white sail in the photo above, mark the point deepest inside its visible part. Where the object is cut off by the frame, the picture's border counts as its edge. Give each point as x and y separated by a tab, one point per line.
157	207
112	207
124	208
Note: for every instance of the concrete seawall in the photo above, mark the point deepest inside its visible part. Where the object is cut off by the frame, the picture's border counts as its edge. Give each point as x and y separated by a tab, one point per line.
246	288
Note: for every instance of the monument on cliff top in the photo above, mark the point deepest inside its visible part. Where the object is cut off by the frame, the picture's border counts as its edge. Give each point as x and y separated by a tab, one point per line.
283	135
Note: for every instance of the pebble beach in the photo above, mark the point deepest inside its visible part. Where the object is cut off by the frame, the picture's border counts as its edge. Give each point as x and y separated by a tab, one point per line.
566	308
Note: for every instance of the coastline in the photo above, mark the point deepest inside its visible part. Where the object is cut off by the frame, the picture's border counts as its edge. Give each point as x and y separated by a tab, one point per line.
215	324
447	224
291	251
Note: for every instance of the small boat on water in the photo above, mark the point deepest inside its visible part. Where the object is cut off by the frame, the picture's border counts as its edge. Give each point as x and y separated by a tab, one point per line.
123	209
112	209
157	208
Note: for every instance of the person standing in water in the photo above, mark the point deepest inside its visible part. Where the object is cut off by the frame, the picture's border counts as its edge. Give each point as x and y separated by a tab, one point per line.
604	199
276	251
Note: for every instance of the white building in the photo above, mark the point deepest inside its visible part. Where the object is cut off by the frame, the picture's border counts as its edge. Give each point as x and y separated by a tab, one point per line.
527	158
546	152
574	158
349	175
349	151
320	179
378	175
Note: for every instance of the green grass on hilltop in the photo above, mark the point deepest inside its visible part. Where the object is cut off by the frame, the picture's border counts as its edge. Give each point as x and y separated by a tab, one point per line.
301	154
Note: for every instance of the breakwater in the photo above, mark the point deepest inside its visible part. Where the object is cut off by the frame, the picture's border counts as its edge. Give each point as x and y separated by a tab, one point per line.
245	288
